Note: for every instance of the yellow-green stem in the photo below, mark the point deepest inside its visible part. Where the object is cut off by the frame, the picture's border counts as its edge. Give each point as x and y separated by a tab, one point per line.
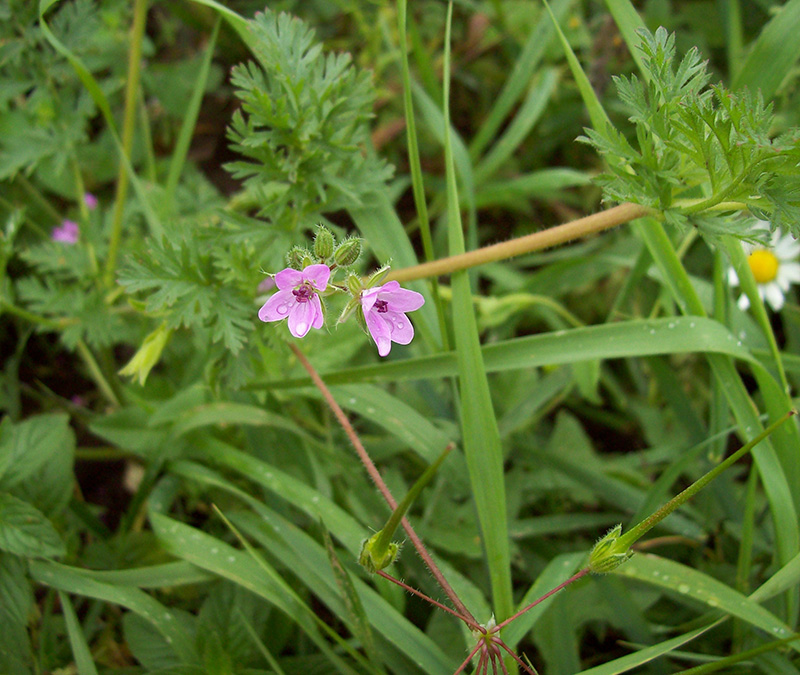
128	125
537	241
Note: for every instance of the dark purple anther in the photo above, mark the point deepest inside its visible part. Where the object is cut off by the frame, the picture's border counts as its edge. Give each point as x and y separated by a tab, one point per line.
303	293
381	306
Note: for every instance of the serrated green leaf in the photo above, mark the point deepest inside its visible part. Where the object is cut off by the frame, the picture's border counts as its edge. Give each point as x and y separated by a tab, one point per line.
26	447
25	531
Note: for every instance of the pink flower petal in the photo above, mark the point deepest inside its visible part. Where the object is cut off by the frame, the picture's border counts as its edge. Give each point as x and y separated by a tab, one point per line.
380	330
301	317
402	300
277	307
319	317
402	330
288	279
318	275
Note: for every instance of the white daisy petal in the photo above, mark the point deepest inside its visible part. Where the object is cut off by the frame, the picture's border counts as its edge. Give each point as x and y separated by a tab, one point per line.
744	302
774	295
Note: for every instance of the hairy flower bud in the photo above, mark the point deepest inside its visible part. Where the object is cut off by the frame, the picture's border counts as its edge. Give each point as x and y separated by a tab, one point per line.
354	285
323	243
296	258
606	554
347	252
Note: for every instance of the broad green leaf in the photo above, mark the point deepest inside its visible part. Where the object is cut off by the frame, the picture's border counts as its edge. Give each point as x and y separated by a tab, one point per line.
29	445
686	582
26	531
16	596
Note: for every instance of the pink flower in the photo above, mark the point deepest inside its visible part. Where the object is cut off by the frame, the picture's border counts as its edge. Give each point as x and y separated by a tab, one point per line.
298	299
384	310
90	200
66	233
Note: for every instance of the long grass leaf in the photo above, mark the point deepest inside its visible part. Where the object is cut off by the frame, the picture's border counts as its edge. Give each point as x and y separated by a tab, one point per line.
480	433
77	640
774	54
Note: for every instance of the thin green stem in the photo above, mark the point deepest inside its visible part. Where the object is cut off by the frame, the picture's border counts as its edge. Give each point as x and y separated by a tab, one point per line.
37	319
96	373
415	167
39	198
128	126
627	539
537	241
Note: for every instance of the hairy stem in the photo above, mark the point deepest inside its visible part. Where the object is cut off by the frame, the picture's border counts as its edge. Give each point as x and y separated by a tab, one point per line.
537	241
376	477
128	124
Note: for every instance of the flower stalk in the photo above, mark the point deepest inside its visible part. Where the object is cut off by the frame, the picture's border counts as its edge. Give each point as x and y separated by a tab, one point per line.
376	477
560	234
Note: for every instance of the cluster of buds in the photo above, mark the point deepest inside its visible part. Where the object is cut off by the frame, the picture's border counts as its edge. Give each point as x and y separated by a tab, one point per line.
380	308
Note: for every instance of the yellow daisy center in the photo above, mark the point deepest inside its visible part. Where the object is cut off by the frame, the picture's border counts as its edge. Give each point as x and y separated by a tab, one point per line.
764	265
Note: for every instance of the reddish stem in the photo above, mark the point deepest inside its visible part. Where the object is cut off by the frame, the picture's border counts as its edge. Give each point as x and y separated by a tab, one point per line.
420	594
372	470
573	578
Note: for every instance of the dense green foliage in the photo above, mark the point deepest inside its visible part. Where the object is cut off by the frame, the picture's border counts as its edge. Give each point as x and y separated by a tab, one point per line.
176	496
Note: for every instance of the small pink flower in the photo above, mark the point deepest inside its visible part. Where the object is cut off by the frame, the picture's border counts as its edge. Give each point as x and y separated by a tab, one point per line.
384	310
90	200
297	299
66	233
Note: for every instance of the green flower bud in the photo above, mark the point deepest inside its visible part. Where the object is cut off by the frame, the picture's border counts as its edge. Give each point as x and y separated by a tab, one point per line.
378	276
354	285
374	560
347	252
296	257
323	243
606	554
147	356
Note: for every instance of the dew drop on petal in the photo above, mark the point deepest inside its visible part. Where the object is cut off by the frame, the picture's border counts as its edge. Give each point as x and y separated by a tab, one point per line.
301	327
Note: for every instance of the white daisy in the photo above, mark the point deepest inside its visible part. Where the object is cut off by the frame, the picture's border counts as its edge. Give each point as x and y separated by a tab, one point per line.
774	267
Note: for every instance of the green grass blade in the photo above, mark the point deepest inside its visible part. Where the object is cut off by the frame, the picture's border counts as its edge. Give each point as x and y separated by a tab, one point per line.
518	191
641	337
774	53
686	582
240	567
238	23
80	649
557	570
539	94
596	112
77	582
156	229
525	66
181	149
415	166
480	433
648	654
628	22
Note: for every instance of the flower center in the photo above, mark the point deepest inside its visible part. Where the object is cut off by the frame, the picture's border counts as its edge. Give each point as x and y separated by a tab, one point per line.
764	265
303	293
381	306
